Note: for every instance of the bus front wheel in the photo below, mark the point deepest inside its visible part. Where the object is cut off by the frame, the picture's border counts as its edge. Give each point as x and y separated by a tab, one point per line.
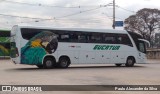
64	62
130	62
48	63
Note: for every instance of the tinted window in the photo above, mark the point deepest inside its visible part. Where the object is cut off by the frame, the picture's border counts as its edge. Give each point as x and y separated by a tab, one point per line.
95	37
135	38
73	37
80	36
28	33
123	39
109	38
64	37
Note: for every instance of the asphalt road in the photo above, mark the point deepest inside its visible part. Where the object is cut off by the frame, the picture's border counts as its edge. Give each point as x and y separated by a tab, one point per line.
108	74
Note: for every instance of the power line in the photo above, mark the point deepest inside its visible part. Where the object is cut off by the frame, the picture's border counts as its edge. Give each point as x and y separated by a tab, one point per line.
30	4
83	11
54	18
68	20
125	9
79	12
94	20
109	17
45	5
22	17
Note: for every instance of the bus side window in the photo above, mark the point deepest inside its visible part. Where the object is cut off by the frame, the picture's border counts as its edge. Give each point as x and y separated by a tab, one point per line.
109	38
95	38
64	38
82	38
57	35
73	37
119	40
28	33
126	40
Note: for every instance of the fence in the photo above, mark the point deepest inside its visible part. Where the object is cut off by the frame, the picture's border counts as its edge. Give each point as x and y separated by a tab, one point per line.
153	54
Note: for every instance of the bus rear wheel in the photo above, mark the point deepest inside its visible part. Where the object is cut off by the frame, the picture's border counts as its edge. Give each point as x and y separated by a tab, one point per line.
48	63
130	62
64	62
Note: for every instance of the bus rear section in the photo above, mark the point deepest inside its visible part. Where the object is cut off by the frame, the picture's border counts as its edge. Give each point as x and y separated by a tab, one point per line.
15	45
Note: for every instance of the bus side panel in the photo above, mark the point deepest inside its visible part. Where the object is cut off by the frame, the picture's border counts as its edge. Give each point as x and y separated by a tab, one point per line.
90	53
120	56
71	50
141	58
86	54
103	56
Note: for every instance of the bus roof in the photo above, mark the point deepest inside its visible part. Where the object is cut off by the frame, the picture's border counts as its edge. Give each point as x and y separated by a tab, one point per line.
76	29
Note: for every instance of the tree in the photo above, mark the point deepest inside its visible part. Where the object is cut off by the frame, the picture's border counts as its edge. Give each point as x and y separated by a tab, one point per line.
146	21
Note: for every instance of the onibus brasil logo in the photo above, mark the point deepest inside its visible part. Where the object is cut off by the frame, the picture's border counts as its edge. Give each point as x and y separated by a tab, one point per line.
21	88
106	47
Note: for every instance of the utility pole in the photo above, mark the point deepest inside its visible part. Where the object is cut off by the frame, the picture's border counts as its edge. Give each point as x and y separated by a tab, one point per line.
113	14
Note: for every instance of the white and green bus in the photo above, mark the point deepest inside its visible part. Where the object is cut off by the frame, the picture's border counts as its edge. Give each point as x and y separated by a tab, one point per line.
59	47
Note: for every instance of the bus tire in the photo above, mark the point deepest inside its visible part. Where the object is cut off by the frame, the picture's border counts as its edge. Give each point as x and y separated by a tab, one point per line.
64	62
40	66
130	62
118	65
48	63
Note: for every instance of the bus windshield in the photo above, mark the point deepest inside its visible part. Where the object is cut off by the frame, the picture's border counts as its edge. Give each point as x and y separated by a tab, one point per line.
139	42
141	47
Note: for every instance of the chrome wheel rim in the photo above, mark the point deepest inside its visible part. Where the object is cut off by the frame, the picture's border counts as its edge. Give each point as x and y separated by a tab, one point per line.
64	63
48	63
130	62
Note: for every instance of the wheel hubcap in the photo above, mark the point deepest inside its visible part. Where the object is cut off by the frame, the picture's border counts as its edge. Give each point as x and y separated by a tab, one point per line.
48	63
130	61
64	63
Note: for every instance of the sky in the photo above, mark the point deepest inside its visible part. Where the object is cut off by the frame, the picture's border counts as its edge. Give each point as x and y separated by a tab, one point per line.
69	13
